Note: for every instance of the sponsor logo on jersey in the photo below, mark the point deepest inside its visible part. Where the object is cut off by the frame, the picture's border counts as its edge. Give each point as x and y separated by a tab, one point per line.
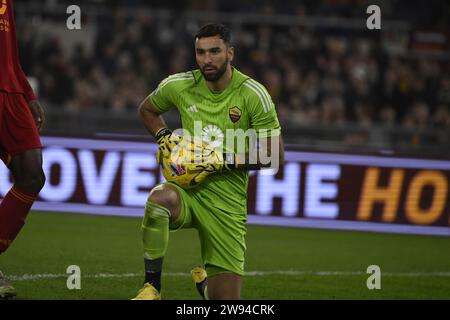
235	114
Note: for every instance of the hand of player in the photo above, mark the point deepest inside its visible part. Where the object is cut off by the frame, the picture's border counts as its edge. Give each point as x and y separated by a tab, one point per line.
171	157
211	159
197	160
167	146
38	114
188	161
167	140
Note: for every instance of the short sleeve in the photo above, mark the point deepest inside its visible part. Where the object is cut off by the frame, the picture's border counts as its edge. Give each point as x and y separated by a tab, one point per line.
163	96
166	95
263	116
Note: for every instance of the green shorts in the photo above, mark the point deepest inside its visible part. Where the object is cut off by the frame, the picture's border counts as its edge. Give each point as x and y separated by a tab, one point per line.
221	233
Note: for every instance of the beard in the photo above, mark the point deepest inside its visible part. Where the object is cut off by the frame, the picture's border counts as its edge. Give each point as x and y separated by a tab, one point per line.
214	76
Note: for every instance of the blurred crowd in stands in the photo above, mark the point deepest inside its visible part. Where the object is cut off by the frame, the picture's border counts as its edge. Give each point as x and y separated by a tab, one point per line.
314	75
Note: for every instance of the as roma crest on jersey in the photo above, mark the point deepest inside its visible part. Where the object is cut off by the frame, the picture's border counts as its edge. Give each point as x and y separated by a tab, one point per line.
235	114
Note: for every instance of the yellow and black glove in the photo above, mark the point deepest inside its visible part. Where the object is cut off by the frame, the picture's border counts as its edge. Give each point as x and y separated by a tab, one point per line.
188	161
167	141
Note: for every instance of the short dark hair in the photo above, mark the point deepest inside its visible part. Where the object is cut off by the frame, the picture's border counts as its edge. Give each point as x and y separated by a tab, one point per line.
214	29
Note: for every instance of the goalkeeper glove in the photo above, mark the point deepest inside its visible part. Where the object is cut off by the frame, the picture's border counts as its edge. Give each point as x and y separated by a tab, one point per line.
213	160
171	157
203	160
166	140
188	161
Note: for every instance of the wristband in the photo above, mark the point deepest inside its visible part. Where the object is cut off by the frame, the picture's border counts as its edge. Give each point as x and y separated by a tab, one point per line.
162	133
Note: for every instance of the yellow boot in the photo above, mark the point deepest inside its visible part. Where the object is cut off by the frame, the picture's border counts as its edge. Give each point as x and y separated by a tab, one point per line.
199	276
148	292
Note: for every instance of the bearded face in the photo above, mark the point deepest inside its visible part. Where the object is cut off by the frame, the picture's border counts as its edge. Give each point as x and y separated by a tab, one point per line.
213	73
213	57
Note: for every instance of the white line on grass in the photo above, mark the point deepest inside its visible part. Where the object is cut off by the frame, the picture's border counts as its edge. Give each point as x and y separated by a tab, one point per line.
39	276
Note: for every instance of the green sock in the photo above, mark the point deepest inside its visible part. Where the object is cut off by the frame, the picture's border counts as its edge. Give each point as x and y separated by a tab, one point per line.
155	231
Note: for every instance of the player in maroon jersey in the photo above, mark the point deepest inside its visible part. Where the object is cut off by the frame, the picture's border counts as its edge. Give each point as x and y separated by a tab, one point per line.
21	119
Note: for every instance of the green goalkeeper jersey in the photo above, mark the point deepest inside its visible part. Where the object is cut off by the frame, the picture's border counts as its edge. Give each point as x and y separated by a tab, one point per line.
245	104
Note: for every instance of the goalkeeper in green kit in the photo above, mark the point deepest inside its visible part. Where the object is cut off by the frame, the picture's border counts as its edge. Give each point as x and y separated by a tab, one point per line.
207	171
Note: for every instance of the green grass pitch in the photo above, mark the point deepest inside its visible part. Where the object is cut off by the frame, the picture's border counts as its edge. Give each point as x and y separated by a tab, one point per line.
283	263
